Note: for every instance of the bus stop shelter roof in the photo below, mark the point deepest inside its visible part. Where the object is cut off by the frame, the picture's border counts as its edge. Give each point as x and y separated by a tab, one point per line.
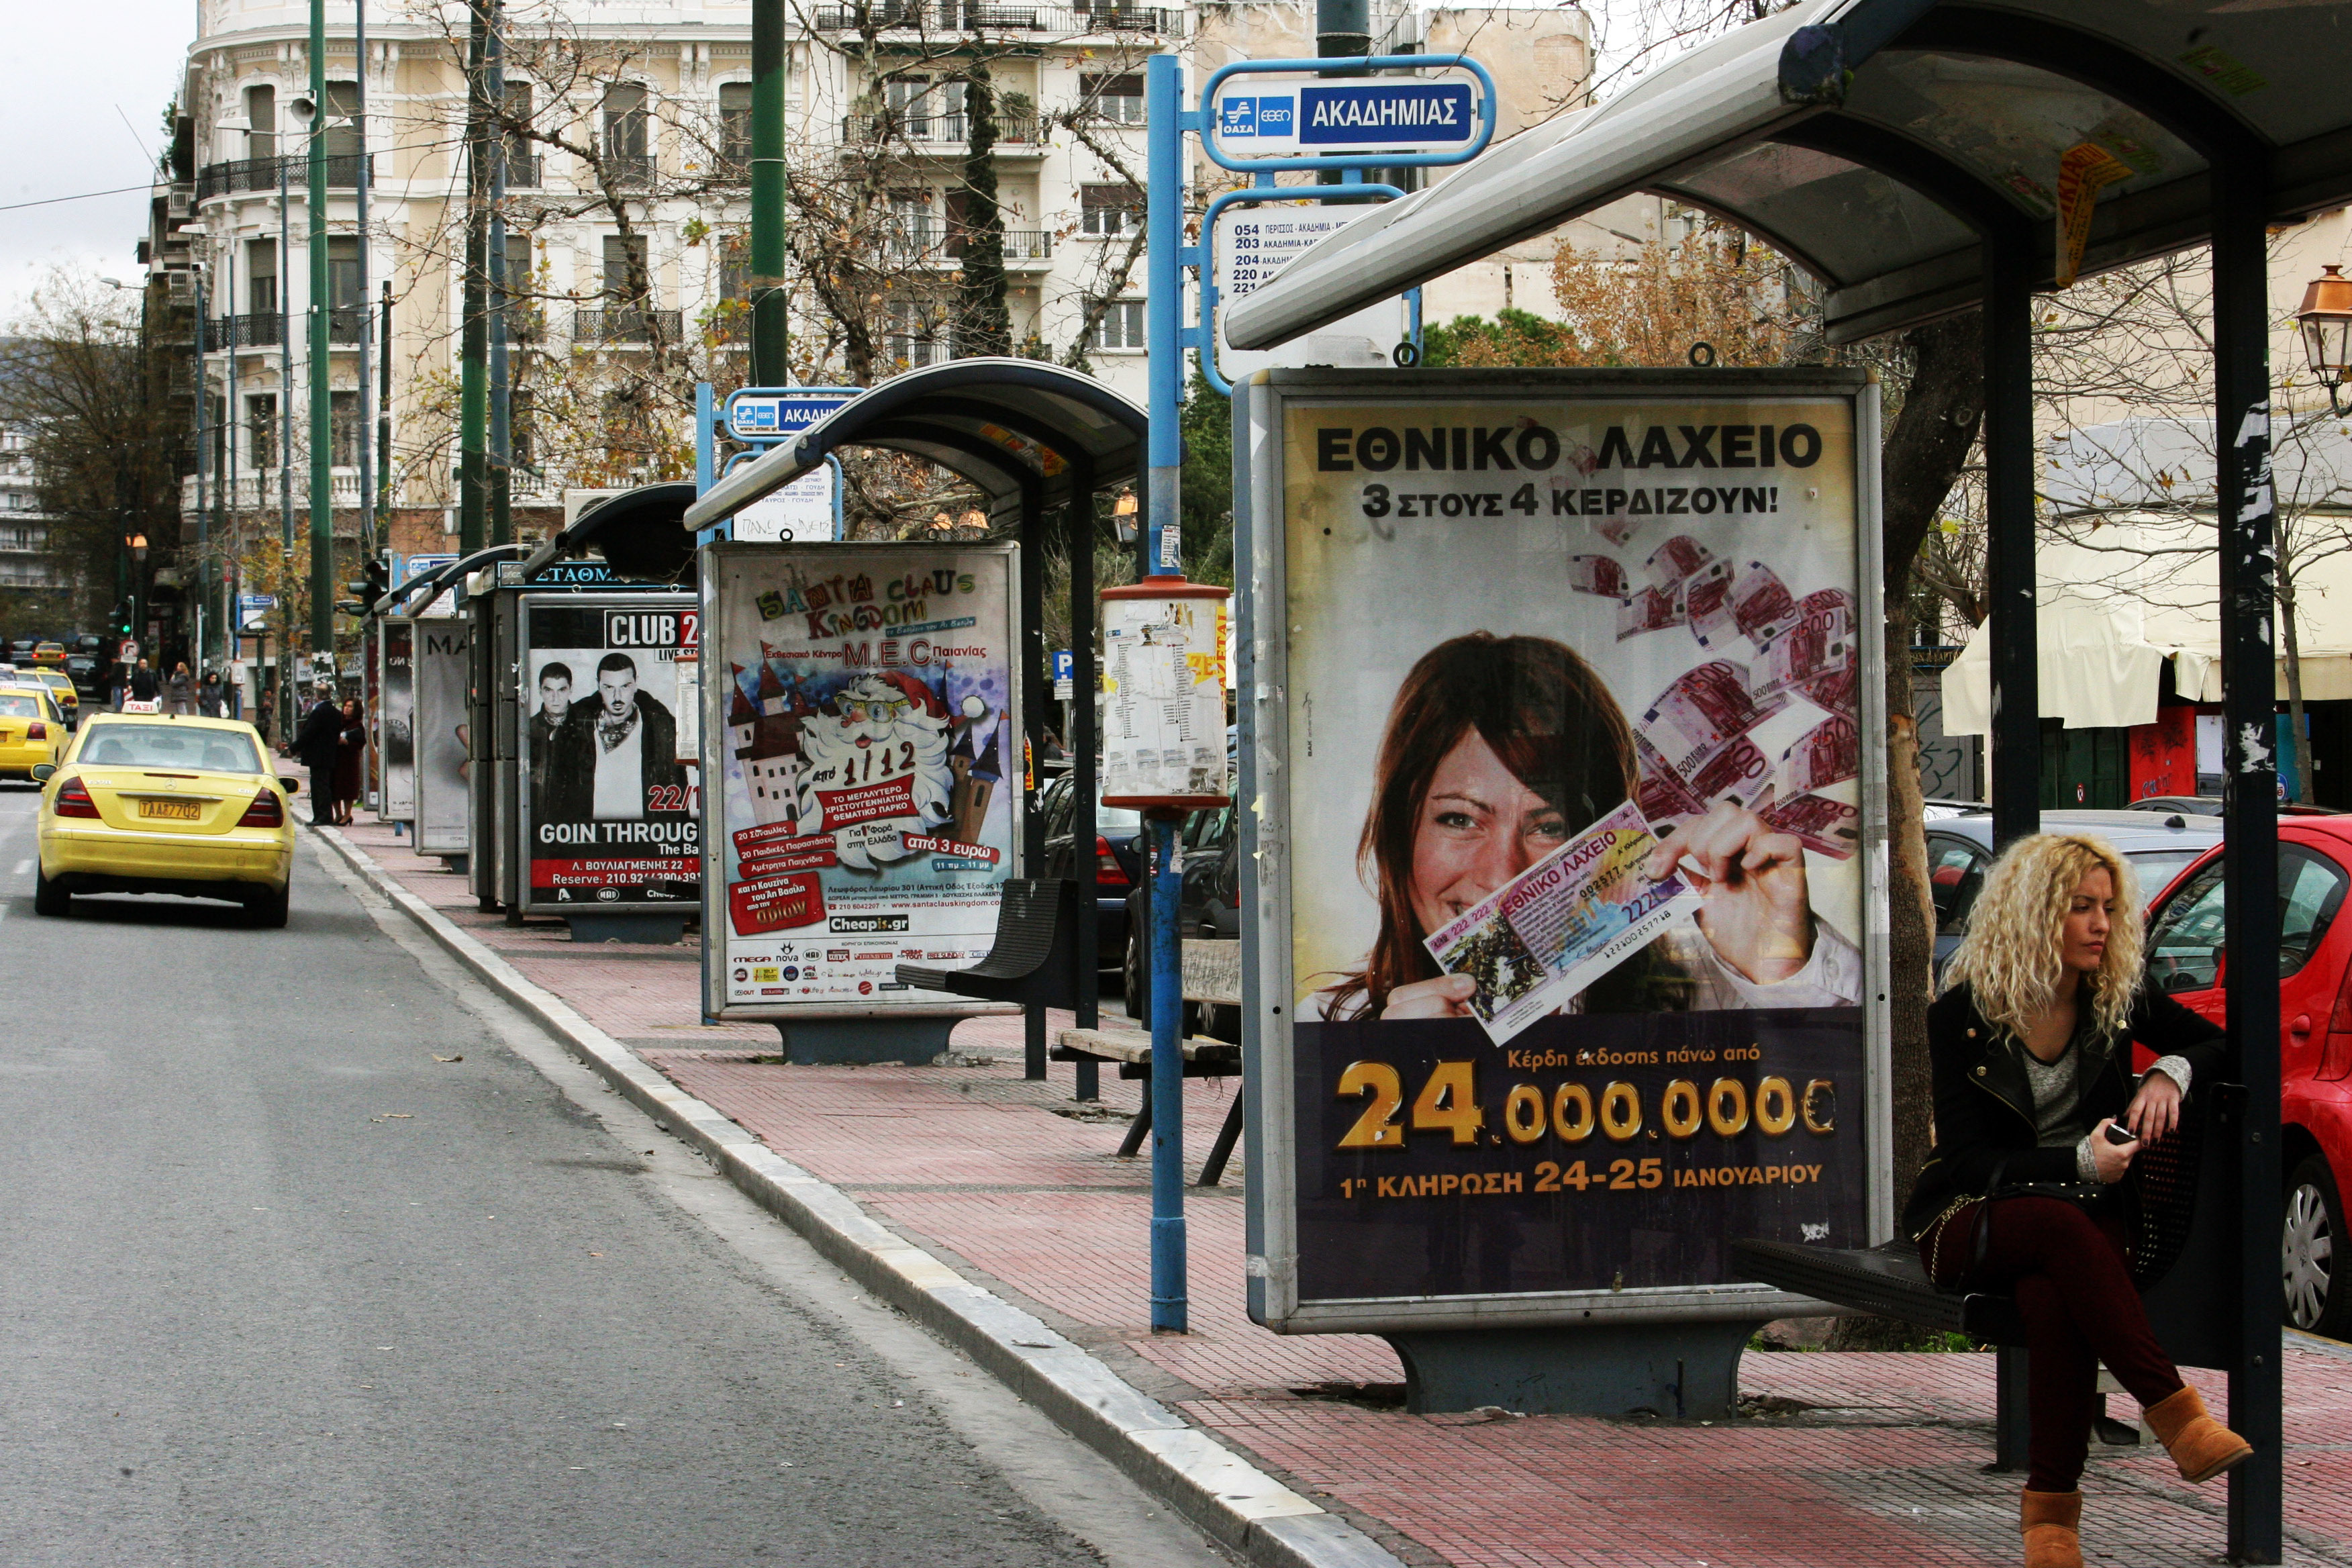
636	531
1008	426
1876	142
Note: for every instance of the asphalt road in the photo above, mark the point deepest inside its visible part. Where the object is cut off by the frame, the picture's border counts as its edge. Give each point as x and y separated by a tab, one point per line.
279	1286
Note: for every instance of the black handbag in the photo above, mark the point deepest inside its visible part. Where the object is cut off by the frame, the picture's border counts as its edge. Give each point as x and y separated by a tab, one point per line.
2093	1198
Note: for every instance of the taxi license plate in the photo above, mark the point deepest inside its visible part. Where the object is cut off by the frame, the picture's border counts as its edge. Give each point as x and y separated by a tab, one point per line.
176	810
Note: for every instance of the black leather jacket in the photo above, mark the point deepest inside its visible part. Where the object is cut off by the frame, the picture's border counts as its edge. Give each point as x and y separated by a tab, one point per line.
1984	1106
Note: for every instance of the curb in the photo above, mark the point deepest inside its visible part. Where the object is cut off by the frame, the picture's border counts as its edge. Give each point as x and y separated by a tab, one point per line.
1217	1489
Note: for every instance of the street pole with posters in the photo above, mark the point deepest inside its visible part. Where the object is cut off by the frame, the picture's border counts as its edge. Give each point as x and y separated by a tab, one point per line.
322	493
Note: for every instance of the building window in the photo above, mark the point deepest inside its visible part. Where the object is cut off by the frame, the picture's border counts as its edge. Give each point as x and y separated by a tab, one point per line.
923	110
1110	209
734	126
261	121
520	404
522	166
343	430
627	278
627	134
1121	327
1117	98
914	223
915	336
343	273
340	136
261	429
261	277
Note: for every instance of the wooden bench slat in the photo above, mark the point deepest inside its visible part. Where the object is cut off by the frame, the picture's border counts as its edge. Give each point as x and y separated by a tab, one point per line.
1134	1045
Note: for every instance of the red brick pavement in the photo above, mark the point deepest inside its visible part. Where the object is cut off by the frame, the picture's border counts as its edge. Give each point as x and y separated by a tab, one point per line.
1852	1458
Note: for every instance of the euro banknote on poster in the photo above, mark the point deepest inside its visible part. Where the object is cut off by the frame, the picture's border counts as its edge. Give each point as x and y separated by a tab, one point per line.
858	708
1565	809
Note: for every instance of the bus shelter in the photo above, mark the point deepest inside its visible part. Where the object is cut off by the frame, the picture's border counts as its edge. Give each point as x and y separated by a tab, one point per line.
580	709
1920	157
1040	443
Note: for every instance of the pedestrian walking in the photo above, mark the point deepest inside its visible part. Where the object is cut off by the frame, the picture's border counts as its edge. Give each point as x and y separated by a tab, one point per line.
142	683
318	742
351	762
212	697
2037	1119
181	691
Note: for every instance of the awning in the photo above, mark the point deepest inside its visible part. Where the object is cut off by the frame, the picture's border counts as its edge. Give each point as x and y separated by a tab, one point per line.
2120	595
1006	424
1873	140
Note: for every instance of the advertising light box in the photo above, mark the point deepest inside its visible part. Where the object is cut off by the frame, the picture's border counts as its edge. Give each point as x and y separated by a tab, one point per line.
442	646
1569	912
860	746
395	688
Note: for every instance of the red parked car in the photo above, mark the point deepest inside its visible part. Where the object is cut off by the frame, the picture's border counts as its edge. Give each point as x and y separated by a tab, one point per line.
2186	958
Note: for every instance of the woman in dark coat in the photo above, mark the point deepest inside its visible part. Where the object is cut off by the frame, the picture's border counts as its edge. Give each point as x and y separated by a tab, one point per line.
351	762
2031	1049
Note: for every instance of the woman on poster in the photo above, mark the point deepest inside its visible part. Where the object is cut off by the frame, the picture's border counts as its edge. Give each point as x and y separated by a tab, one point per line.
1500	750
2030	1047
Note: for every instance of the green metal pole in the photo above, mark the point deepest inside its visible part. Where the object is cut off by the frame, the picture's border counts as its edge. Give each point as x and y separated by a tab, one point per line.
473	338
769	327
322	493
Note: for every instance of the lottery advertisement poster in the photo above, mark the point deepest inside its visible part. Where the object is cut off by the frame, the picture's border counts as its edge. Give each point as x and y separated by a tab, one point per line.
859	733
610	813
1572	987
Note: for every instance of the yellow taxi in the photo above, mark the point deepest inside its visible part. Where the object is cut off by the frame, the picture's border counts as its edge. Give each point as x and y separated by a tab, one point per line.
32	731
52	654
162	804
61	690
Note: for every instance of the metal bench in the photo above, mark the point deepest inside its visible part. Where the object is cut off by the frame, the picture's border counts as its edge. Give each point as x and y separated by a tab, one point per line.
2184	1260
1212	975
1034	959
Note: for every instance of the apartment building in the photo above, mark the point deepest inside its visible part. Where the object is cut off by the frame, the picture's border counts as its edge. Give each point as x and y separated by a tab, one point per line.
25	562
622	146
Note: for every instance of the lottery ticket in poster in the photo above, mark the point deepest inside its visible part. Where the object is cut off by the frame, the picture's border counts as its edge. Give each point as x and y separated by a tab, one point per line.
859	711
1571	918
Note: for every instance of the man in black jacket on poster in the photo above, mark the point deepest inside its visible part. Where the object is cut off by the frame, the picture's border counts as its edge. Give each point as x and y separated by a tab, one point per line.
315	744
613	752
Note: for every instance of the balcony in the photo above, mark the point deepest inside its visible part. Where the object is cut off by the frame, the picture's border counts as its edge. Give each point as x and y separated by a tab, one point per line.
940	135
625	324
345	329
934	16
1024	248
258	176
521	171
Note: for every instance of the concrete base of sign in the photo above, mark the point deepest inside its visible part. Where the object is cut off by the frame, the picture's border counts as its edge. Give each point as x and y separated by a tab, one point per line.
1679	1371
664	931
835	1042
458	864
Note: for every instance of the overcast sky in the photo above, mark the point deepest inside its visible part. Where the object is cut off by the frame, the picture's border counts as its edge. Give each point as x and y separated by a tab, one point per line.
70	73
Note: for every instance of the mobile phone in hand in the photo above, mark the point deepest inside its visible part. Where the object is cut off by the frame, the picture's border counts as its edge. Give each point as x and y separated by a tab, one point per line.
2119	1133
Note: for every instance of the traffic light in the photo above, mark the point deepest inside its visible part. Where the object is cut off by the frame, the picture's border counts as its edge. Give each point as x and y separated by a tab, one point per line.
123	616
373	583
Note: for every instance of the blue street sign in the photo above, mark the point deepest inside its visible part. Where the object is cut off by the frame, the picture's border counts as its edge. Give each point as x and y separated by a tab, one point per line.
405	567
776	413
1310	118
1065	665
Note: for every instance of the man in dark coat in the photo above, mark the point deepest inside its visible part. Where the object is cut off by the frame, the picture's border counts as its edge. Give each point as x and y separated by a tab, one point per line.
317	743
613	751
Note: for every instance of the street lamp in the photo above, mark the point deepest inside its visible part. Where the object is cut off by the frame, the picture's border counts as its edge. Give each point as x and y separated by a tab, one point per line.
2326	319
138	544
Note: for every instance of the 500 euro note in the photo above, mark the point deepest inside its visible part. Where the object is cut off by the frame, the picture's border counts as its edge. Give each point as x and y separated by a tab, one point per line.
1534	944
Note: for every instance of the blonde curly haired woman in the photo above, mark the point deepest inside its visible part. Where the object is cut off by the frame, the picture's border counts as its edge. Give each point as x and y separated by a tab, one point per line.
2030	1047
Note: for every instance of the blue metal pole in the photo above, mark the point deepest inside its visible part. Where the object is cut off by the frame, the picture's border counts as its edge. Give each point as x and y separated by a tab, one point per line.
1169	1291
1163	99
705	443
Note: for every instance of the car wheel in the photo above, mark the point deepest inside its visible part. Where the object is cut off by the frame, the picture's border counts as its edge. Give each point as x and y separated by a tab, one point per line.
269	910
1131	977
48	899
2318	1295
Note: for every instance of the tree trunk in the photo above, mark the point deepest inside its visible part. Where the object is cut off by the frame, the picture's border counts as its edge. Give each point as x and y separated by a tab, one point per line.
1922	459
982	325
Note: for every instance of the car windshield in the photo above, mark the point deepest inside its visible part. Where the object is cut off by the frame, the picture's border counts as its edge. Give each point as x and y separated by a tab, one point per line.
2157	867
185	747
17	705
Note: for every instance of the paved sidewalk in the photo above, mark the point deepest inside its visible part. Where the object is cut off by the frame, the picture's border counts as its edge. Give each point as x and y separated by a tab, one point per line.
1845	1459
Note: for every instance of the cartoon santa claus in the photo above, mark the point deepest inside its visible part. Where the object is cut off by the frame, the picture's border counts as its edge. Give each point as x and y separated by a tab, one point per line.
874	768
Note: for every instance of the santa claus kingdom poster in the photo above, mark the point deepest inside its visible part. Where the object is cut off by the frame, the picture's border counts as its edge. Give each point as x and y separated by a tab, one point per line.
858	705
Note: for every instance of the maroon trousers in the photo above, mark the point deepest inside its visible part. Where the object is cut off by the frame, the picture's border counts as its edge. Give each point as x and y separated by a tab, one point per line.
2072	1284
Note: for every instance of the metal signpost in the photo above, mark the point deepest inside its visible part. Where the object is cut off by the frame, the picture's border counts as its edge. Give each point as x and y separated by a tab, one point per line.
1514	1090
808	509
1324	115
863	703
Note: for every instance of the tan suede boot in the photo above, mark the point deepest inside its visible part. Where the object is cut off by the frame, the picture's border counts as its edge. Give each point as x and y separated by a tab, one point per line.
2199	1444
2053	1521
